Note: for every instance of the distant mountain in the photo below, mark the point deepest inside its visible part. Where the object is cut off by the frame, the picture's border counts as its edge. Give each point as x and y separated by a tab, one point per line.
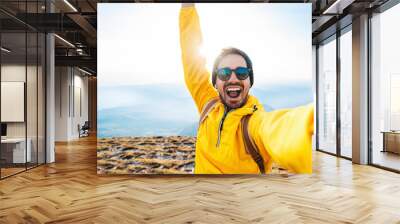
134	95
283	96
148	110
190	130
268	107
144	110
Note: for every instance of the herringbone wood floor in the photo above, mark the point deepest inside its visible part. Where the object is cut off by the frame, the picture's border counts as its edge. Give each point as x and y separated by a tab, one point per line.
70	191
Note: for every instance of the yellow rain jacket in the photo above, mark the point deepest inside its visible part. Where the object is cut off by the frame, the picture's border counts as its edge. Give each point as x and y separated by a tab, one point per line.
282	136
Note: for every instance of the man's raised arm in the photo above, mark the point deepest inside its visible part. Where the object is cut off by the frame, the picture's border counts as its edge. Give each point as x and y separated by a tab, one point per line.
197	78
285	135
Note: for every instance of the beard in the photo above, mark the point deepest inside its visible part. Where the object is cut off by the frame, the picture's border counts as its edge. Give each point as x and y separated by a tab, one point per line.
233	100
230	106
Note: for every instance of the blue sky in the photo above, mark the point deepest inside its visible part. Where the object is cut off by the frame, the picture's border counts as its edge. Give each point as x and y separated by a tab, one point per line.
139	43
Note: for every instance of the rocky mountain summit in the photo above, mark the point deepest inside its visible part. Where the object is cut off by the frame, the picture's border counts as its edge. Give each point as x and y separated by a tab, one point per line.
146	155
149	155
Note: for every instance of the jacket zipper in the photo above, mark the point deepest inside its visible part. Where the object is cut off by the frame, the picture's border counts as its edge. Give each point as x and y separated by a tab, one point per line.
221	124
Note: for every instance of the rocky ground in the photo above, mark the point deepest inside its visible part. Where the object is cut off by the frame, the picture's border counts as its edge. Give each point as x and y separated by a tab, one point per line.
148	155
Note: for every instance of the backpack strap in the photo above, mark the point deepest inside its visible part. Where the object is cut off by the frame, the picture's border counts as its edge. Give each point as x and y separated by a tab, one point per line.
249	144
206	109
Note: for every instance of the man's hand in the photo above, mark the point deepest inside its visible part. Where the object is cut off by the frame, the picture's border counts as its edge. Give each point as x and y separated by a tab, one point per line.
184	5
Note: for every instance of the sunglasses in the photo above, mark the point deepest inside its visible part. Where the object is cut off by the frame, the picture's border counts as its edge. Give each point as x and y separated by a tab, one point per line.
224	74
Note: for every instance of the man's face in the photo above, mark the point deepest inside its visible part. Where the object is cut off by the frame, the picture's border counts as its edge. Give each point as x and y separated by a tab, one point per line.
234	91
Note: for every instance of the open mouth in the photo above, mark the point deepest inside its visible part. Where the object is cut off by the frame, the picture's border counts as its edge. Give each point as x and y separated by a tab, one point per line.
233	91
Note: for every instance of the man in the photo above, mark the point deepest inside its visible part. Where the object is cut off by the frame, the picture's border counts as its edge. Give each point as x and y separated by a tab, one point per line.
282	136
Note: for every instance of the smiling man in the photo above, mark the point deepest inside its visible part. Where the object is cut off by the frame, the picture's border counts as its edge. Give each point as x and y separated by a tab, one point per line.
235	134
232	77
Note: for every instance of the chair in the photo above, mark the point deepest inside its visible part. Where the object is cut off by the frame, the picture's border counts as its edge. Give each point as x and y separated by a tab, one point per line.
84	130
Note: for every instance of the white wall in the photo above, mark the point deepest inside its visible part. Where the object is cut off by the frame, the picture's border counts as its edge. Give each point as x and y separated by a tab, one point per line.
33	126
62	81
71	94
12	73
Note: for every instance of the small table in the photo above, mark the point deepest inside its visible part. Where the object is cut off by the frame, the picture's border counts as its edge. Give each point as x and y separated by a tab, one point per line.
391	141
16	154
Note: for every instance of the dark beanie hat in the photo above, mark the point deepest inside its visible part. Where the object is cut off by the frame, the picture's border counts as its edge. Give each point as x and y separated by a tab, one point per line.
227	51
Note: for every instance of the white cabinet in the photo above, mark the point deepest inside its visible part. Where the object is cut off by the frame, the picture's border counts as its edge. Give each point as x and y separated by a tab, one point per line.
18	149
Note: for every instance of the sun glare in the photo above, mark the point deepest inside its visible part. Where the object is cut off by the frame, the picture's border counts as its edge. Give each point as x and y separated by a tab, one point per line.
207	53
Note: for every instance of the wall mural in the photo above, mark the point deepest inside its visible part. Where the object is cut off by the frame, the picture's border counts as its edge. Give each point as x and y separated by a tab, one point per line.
204	88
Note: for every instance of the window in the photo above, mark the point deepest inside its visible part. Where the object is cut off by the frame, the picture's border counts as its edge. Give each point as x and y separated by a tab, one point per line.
22	78
385	87
327	96
346	93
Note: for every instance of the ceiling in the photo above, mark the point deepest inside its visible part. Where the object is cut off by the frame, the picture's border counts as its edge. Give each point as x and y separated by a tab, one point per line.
75	23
